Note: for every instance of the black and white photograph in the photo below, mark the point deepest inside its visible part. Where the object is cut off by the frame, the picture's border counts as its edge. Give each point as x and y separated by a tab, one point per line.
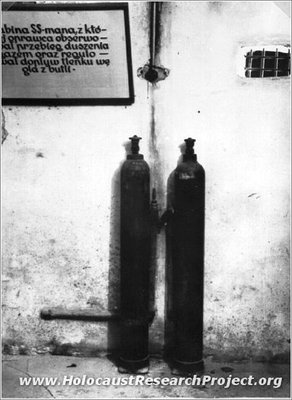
145	199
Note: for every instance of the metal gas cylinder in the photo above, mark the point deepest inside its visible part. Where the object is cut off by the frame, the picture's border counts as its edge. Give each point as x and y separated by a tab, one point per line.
135	261
187	251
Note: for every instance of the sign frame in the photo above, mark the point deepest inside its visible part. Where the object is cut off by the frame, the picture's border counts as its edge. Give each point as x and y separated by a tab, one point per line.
76	101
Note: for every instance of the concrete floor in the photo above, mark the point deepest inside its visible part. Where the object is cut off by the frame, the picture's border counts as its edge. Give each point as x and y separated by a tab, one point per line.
15	367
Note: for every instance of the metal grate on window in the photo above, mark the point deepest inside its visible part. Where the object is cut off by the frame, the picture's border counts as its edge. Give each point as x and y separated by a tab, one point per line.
262	63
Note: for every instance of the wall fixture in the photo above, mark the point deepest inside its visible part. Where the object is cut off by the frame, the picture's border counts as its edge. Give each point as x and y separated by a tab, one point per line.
152	72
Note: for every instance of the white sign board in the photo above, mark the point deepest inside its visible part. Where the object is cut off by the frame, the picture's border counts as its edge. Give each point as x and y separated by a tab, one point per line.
66	54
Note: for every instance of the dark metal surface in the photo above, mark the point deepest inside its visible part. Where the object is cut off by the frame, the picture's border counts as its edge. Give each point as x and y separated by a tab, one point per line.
135	260
188	261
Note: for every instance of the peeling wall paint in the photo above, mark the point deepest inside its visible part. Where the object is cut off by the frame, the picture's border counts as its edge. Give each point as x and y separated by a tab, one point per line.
61	184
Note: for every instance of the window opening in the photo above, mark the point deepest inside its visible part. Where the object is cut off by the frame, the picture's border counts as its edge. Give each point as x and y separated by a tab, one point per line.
262	63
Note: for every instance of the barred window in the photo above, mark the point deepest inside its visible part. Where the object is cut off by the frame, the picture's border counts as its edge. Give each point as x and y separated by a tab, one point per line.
262	63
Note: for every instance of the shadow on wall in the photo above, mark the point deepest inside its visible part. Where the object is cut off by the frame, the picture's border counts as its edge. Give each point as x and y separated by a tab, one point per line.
114	288
113	335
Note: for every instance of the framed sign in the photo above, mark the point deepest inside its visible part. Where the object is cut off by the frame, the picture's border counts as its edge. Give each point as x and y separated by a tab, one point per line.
66	54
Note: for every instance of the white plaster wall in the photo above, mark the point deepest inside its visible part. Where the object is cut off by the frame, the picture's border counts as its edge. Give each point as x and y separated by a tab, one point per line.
242	129
60	211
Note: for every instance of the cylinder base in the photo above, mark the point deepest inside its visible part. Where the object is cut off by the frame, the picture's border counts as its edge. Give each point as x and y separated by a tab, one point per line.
133	366
186	368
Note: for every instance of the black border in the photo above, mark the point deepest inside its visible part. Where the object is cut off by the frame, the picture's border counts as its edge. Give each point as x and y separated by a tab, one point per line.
75	7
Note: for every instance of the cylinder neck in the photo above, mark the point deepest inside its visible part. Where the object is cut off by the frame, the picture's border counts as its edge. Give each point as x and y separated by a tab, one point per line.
190	157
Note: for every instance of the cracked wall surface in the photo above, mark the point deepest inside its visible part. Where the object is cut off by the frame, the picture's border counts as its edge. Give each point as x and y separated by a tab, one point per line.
61	189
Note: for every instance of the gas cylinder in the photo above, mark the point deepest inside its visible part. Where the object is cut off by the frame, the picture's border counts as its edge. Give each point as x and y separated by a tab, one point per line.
135	261
188	262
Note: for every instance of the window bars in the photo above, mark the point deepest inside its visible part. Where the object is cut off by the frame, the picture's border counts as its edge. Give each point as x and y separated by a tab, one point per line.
262	64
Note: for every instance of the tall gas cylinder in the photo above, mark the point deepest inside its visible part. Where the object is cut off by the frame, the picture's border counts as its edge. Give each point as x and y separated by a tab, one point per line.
135	261
188	262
